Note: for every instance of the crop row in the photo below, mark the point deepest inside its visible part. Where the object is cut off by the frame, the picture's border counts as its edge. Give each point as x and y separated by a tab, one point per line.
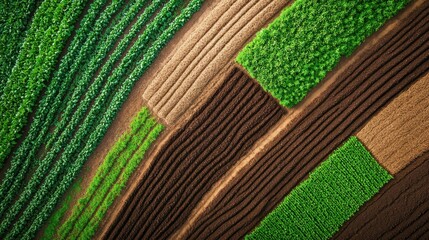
51	26
26	152
333	192
17	16
55	219
307	40
91	130
111	177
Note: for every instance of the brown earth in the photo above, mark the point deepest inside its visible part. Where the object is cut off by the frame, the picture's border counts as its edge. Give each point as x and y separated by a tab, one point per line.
202	54
387	64
198	153
400	132
399	211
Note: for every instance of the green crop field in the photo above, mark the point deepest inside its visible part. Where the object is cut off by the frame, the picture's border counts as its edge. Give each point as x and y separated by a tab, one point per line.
308	39
333	192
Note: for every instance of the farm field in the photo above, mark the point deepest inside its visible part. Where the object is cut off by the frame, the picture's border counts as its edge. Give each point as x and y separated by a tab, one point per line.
193	119
237	114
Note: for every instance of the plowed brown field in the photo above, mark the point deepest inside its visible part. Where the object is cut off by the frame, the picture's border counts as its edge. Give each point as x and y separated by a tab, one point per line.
195	157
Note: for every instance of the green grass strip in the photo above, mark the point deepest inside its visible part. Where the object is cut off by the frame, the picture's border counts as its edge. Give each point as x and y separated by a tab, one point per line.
333	192
90	229
52	25
55	220
307	40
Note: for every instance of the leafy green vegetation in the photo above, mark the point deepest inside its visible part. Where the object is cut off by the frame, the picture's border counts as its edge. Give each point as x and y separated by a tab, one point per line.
26	152
333	192
111	177
307	40
94	98
34	65
56	218
15	19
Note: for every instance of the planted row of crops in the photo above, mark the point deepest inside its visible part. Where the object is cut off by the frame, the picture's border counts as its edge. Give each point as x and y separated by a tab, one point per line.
333	192
16	16
111	178
112	48
308	39
55	220
51	26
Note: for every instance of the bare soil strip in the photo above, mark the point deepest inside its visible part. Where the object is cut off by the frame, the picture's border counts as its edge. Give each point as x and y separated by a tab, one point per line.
202	54
400	210
197	154
386	65
399	133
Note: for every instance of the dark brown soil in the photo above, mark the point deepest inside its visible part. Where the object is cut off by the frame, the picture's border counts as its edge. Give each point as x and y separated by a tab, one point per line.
197	155
387	68
399	211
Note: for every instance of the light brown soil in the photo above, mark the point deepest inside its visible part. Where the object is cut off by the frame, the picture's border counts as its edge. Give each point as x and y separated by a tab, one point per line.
400	132
202	54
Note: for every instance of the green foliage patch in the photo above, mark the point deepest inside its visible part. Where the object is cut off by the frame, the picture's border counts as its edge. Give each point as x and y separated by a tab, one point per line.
15	19
333	192
307	40
51	26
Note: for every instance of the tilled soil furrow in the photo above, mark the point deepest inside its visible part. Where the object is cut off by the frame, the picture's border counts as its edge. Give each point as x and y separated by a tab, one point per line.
392	64
396	135
237	12
166	169
216	133
400	209
197	156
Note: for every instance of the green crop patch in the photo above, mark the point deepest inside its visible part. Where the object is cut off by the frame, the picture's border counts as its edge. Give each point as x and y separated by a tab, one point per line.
111	177
296	51
333	192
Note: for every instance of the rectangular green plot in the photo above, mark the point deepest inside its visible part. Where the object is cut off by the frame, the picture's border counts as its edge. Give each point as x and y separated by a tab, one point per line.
296	51
333	192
